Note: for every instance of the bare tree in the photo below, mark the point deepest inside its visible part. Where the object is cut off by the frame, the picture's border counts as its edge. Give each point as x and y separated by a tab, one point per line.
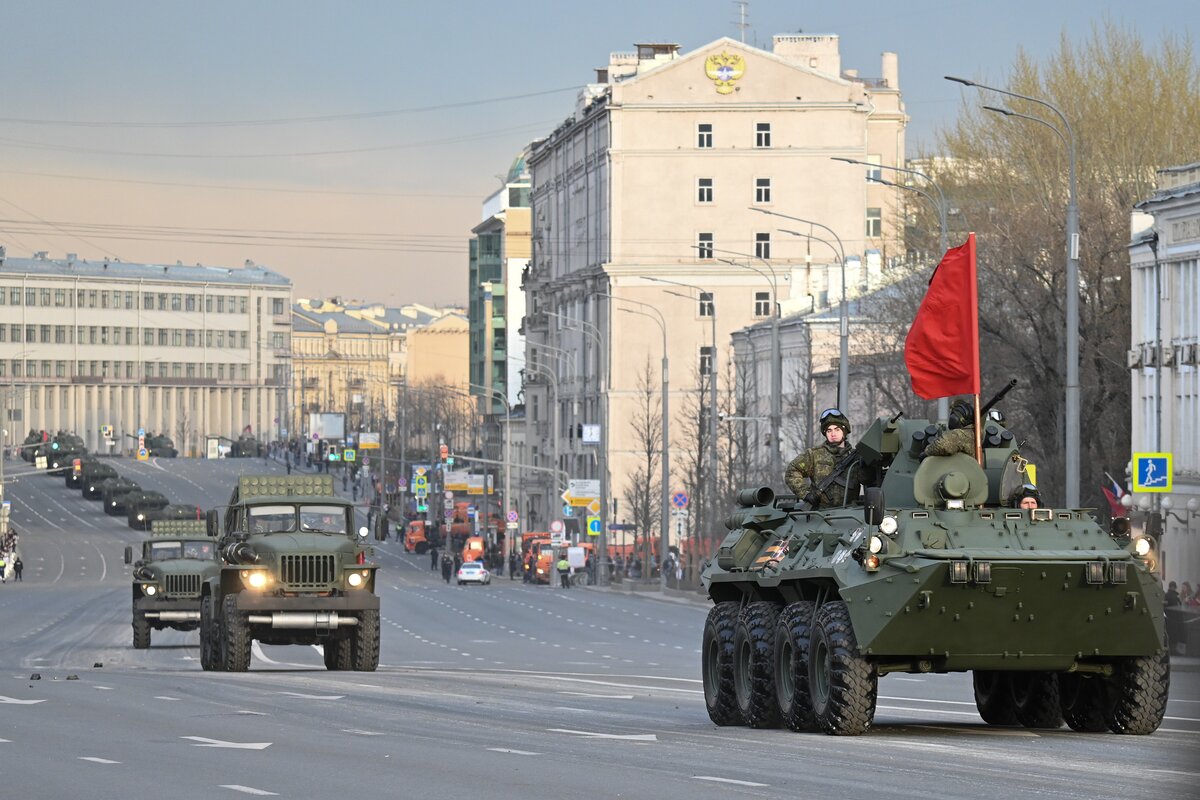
644	491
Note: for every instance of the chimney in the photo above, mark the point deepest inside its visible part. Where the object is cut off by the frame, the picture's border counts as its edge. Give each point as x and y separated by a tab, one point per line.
891	71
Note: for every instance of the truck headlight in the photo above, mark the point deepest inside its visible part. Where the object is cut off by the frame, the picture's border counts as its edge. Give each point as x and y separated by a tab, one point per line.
876	544
888	526
255	578
1141	546
355	579
141	517
150	589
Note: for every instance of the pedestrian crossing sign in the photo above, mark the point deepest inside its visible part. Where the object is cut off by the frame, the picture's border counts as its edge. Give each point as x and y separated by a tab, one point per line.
1152	472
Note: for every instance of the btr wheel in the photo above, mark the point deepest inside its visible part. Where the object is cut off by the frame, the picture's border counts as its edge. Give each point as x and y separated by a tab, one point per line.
993	696
337	654
141	632
1138	692
364	647
235	636
717	664
754	664
792	633
210	645
1081	700
844	685
1035	699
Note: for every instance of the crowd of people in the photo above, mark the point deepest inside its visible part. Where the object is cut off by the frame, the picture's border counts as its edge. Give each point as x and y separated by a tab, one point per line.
11	566
1181	597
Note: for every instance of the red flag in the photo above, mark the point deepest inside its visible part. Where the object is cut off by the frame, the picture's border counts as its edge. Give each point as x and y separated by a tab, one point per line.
942	348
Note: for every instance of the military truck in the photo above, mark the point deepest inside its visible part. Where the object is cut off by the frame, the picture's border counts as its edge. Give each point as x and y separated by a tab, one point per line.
246	447
1056	618
294	571
92	473
139	507
114	493
160	446
176	560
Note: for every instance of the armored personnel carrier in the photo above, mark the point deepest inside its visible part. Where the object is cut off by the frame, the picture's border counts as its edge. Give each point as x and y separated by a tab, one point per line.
114	493
1056	618
176	560
139	508
160	446
294	571
246	447
92	473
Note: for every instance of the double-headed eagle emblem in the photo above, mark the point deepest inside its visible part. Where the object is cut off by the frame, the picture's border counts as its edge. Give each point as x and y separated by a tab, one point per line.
724	70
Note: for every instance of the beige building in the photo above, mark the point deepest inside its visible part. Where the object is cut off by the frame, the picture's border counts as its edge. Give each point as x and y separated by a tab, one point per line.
669	172
188	352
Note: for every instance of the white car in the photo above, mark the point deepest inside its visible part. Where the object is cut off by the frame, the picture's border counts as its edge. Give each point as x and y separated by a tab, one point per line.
473	572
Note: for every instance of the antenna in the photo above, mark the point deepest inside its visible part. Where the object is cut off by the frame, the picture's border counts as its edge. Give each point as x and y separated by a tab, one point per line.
742	24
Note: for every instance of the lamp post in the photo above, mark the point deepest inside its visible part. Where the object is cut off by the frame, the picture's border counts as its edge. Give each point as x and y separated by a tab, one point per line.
593	331
711	494
943	242
1071	467
499	395
665	514
844	320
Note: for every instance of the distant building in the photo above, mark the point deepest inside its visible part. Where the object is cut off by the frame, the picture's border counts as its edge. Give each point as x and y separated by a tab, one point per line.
184	351
1164	362
650	200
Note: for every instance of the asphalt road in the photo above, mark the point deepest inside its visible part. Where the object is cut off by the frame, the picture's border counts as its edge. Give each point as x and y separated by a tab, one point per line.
501	691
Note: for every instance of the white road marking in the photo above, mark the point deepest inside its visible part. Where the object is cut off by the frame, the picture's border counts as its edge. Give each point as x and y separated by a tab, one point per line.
727	780
12	701
1176	772
164	697
513	752
5	741
202	741
248	790
314	696
357	732
600	696
103	688
96	760
1182	719
252	713
629	737
932	711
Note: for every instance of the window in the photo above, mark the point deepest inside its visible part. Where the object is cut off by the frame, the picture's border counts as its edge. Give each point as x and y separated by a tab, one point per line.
44	334
3	333
162	337
148	336
762	245
762	304
147	301
762	190
162	301
706	361
60	297
191	338
706	304
60	369
31	333
762	134
220	338
14	297
104	299
241	305
704	190
60	334
704	135
129	334
277	305
176	302
243	339
874	222
177	337
220	372
176	369
208	304
15	330
162	369
129	370
873	172
220	304
91	298
189	302
31	297
704	246
104	334
17	368
46	370
44	297
3	296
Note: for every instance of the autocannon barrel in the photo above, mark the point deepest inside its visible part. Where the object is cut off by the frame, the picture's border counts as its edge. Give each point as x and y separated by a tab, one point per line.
762	496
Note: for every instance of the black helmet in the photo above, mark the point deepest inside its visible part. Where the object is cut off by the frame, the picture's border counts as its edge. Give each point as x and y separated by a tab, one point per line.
962	414
832	416
1027	490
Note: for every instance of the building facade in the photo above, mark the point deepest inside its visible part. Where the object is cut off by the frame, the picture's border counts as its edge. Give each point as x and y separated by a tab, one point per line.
1164	361
659	208
188	352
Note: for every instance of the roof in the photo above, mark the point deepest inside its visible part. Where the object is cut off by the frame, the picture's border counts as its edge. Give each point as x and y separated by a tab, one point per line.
120	270
316	321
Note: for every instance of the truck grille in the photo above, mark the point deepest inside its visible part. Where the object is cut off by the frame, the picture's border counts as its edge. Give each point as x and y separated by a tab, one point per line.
307	571
182	585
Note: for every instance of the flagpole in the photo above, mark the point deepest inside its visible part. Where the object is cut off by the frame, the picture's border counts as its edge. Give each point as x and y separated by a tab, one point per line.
975	344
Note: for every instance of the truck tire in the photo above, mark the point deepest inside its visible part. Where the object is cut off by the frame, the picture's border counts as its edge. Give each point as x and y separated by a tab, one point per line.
210	645
844	685
1035	699
993	696
792	634
337	654
716	664
754	664
1081	700
364	647
141	632
235	636
1138	689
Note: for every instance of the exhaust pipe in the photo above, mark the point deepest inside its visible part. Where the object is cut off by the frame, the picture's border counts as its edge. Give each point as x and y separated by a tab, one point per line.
174	616
304	620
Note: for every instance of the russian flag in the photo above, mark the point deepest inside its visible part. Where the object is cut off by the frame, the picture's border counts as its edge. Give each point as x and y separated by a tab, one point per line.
1113	494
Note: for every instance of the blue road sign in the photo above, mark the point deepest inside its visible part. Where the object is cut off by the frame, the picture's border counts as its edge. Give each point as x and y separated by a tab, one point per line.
567	511
1152	472
593	526
141	431
679	500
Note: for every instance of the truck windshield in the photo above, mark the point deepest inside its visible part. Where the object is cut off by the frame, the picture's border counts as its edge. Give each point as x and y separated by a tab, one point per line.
201	550
272	519
327	519
161	551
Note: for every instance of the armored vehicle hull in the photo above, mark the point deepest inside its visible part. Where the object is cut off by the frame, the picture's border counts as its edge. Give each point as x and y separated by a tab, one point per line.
140	508
91	478
1058	619
114	495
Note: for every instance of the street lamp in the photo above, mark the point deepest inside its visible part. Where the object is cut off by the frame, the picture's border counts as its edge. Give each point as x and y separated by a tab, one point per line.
664	513
499	395
1071	466
844	358
940	206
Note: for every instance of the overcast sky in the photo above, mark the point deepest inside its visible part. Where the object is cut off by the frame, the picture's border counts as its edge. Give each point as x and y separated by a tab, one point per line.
348	145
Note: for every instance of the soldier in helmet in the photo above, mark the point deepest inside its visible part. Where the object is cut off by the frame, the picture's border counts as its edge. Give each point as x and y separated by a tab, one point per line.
811	467
960	438
1026	496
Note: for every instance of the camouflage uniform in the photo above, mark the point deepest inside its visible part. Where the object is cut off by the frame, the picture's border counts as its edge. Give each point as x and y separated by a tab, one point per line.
812	466
959	440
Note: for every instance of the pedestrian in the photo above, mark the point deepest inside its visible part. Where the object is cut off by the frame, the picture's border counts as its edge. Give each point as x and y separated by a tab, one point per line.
3	568
18	565
446	566
564	571
433	559
289	466
809	469
1171	598
514	565
527	569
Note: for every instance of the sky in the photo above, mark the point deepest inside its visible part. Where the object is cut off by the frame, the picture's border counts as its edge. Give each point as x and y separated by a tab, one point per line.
349	145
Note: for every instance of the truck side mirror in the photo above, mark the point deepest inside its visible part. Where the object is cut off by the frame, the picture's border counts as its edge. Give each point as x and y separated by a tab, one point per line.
873	505
212	522
128	554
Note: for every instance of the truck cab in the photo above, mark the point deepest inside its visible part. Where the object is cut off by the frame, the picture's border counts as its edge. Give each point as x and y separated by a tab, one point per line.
175	561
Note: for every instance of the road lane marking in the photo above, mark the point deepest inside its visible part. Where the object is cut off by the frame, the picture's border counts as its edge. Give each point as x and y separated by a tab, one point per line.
314	696
727	780
599	696
96	760
357	732
629	737
513	752
923	700
248	790
12	701
164	697
202	741
103	688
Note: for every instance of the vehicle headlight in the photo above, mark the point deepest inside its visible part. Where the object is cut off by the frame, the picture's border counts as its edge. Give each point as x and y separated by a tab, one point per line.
355	579
91	488
888	525
1141	546
141	517
150	589
540	570
876	544
255	578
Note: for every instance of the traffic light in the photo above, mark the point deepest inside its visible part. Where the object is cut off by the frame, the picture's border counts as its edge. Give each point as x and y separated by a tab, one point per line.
449	461
422	508
54	445
445	453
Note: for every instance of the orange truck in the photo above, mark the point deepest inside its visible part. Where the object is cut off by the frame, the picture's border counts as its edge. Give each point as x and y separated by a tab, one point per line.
415	540
474	549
